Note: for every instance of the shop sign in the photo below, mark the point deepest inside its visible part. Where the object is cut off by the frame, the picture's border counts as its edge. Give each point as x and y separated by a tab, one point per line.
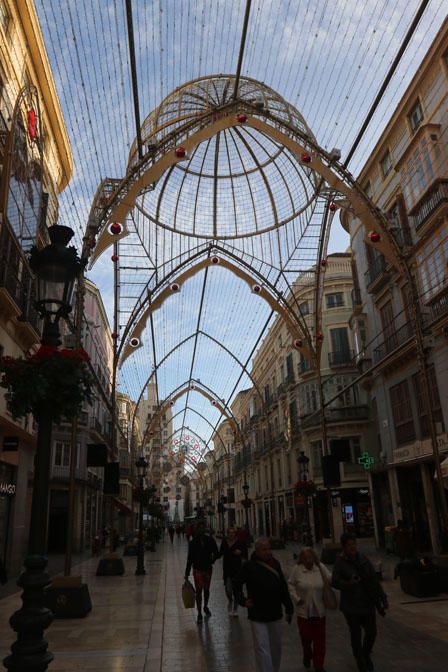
419	449
7	488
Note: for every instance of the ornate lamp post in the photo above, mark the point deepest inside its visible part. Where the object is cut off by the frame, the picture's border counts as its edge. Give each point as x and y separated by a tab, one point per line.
303	461
246	503
56	267
142	466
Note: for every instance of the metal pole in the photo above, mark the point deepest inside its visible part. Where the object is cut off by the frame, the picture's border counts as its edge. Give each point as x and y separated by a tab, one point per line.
140	570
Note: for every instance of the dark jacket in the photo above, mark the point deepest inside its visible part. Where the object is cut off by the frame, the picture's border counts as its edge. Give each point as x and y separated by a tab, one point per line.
266	588
362	597
231	563
202	553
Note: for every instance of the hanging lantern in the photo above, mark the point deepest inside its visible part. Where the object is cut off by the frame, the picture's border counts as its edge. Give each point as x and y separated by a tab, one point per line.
175	287
305	158
192	387
241	118
115	257
213	402
332	207
134	342
115	228
256	289
298	343
215	260
375	237
32	124
180	152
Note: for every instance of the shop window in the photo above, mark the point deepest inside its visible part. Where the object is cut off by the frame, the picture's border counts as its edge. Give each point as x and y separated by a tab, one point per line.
400	400
415	116
386	164
335	300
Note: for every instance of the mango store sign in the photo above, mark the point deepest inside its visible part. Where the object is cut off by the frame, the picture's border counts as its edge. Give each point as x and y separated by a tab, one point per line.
420	449
7	488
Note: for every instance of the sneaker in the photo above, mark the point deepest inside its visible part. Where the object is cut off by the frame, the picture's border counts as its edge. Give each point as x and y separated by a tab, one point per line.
199	621
306	663
207	612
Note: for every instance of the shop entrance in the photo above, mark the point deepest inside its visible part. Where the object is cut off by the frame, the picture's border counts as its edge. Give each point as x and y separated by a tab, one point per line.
413	506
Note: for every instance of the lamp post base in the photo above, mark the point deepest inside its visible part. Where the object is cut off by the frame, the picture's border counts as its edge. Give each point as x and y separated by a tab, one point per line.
29	653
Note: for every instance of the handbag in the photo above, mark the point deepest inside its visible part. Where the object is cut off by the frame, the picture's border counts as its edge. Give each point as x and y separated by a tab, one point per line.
328	595
188	595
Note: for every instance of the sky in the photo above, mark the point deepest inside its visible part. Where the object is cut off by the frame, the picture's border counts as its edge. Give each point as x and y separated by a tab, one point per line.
326	59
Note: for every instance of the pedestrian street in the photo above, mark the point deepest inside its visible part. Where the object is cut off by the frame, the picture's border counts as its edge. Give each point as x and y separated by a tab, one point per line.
138	623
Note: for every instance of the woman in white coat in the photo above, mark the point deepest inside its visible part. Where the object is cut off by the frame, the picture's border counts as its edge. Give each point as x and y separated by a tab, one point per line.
306	587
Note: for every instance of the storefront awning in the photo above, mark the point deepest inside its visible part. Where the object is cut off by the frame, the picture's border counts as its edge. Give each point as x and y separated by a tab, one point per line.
122	507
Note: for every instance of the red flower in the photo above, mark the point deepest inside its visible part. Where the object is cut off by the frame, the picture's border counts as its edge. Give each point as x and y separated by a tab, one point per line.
45	351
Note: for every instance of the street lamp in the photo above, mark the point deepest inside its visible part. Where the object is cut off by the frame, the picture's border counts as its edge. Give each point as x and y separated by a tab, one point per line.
56	267
142	466
303	461
246	504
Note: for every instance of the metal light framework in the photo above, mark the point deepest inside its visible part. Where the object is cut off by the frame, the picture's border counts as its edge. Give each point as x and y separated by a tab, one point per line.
233	180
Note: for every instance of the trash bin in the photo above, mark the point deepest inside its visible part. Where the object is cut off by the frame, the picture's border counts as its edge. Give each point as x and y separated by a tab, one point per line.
419	578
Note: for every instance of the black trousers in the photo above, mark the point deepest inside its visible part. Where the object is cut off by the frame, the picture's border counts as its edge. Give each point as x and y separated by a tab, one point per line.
362	648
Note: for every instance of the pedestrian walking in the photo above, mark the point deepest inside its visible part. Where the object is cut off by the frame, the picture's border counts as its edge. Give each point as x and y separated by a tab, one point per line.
267	594
233	552
202	553
361	596
171	533
306	586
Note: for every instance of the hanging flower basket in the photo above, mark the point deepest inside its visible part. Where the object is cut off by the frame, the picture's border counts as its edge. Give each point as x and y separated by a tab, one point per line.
52	381
305	488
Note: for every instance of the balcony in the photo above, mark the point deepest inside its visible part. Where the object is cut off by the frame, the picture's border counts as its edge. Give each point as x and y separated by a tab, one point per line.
393	342
271	402
439	307
254	419
336	415
434	199
282	389
306	365
377	275
356	298
62	473
341	358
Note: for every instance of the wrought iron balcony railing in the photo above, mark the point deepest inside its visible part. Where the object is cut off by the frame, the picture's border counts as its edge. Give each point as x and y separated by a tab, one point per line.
437	195
377	268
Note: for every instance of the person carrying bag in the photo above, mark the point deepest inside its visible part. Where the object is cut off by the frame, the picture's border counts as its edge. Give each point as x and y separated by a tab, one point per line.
188	594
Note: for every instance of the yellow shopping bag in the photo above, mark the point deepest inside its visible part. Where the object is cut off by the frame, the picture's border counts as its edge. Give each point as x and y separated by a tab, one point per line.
188	595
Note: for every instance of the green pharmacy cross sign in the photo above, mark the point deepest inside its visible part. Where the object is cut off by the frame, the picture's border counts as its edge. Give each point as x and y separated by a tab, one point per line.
366	460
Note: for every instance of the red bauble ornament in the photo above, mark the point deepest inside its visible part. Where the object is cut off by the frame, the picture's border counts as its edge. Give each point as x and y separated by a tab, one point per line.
115	257
306	158
175	287
180	152
375	237
323	263
319	336
115	335
298	343
32	124
256	289
134	342
115	228
241	118
215	260
332	207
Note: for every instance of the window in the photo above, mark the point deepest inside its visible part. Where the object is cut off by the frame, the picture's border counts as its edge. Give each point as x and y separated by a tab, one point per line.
335	300
386	164
415	116
433	265
368	189
402	413
339	340
289	369
61	456
279	473
267	394
316	458
434	399
305	308
389	330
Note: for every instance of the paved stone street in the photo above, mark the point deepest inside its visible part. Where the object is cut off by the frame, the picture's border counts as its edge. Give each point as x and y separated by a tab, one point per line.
139	624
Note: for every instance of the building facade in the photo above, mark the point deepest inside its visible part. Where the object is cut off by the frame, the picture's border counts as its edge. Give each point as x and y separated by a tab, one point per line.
406	175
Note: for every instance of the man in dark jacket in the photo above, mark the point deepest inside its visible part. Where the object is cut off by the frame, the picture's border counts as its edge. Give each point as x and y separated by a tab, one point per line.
233	552
361	594
202	553
267	591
